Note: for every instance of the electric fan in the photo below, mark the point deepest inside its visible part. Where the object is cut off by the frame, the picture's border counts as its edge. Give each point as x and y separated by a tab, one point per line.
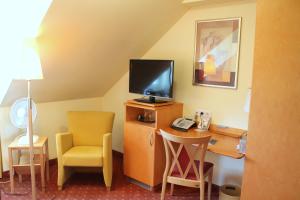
19	118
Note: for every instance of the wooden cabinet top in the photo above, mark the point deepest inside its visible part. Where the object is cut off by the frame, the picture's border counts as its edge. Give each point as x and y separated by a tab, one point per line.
150	106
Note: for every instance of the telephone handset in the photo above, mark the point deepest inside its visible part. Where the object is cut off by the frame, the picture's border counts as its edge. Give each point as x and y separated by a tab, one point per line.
182	124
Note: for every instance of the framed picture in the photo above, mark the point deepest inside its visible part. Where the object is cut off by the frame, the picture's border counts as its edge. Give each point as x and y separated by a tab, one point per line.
217	53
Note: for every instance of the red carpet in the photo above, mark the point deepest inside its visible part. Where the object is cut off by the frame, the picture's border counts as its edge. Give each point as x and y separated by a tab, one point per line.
91	186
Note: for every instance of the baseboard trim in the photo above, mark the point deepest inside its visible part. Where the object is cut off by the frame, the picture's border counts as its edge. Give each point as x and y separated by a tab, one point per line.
143	185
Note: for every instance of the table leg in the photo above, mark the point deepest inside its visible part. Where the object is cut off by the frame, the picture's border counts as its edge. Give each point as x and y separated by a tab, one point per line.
11	172
18	160
42	165
47	161
18	155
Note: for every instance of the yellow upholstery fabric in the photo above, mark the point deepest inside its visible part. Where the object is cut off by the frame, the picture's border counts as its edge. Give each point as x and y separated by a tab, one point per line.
88	127
83	156
64	141
107	158
87	144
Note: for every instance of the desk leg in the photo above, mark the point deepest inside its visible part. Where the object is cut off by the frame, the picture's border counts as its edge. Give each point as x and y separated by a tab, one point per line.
42	163
47	161
11	171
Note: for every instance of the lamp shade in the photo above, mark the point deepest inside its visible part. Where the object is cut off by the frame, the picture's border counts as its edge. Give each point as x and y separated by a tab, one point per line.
30	67
23	18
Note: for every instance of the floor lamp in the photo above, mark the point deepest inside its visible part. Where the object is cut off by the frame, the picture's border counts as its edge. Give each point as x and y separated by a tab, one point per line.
30	70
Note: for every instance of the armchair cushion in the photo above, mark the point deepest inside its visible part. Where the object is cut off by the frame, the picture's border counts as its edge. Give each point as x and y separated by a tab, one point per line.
83	156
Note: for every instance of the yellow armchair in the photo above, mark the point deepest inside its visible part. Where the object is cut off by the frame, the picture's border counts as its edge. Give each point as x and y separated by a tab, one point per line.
87	144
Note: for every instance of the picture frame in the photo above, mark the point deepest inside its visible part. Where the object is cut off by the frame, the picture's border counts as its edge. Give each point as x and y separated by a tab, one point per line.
216	56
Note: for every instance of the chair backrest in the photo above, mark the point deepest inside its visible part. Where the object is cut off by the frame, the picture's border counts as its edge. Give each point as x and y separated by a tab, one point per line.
88	127
185	153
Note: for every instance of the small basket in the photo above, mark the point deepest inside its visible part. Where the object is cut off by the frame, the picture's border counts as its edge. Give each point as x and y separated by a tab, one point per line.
230	192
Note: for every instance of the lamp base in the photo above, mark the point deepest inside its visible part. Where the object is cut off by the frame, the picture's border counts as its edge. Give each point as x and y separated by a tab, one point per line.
24	140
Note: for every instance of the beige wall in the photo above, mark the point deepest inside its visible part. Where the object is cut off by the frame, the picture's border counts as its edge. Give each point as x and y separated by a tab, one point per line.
51	119
226	105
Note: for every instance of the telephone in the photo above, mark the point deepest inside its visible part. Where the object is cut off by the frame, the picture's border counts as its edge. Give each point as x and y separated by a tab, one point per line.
183	124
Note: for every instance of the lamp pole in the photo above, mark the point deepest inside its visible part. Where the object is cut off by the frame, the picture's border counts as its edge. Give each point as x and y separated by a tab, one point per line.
30	133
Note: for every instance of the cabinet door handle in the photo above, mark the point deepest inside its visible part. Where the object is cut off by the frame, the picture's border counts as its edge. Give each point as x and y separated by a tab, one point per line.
151	139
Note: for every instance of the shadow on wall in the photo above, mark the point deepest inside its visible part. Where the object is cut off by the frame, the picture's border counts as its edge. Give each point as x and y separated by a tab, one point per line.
63	129
210	157
226	170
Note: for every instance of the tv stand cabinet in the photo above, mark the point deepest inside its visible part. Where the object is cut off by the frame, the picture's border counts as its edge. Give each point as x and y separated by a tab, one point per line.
144	156
150	104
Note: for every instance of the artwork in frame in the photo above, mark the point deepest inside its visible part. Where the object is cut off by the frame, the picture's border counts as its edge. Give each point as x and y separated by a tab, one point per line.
217	53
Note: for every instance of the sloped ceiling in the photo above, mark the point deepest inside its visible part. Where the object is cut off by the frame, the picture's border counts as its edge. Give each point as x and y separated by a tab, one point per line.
85	45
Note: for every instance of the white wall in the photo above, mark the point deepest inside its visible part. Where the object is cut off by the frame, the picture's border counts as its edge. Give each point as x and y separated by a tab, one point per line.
51	119
226	105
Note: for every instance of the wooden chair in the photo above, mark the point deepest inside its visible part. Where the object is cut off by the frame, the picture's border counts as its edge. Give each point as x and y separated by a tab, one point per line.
184	169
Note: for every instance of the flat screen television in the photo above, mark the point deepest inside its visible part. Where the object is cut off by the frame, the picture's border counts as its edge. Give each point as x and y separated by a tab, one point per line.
151	78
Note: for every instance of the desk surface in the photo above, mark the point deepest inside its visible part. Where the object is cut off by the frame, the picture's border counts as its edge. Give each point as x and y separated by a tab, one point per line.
225	145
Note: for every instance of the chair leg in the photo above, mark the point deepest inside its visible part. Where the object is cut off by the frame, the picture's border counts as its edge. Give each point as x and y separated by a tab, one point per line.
107	174
163	189
202	183
61	177
108	189
172	189
210	176
63	174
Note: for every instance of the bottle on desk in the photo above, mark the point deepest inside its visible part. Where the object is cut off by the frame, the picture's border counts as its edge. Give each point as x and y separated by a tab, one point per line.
242	145
197	119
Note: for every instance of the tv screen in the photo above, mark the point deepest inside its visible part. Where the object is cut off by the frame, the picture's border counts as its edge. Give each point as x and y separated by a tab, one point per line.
151	77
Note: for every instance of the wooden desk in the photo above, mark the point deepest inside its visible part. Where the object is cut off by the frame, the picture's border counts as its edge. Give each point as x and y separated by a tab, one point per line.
144	155
226	139
41	160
